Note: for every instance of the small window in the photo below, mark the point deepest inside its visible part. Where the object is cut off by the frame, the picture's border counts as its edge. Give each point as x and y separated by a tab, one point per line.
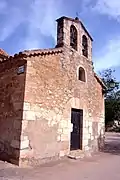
84	46
73	37
81	74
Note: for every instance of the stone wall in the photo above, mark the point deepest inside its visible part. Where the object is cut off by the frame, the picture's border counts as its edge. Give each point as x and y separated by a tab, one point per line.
48	89
52	89
35	108
11	106
87	96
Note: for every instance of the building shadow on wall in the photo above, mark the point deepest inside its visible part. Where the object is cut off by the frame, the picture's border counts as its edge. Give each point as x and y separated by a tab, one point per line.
12	89
111	144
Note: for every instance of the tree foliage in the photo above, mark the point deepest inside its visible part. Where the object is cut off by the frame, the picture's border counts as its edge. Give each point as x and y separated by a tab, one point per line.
112	96
109	79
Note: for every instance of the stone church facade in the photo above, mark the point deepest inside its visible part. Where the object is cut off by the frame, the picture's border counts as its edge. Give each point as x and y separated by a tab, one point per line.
52	102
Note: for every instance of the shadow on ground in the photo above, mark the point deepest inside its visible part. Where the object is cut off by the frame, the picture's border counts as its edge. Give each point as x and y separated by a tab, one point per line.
112	143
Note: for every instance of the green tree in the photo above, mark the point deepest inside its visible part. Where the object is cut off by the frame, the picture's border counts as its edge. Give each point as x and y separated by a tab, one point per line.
112	96
110	82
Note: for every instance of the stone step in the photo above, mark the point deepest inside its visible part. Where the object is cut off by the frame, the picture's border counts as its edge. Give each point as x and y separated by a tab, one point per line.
77	154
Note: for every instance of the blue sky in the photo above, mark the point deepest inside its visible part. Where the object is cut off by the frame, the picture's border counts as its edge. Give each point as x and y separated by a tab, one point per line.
28	24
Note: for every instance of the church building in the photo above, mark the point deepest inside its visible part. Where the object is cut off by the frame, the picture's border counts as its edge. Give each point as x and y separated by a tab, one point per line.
51	100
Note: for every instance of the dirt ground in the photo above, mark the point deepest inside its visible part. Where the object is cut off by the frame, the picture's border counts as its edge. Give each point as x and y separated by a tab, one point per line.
104	166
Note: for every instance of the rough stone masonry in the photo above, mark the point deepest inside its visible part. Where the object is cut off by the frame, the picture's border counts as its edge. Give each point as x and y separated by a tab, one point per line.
38	90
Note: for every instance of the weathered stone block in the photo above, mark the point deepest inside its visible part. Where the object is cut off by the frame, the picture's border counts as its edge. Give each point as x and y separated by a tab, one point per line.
65	131
36	107
89	135
64	137
90	123
85	142
26	153
77	103
86	124
24	124
95	128
70	127
102	131
90	114
64	145
85	131
52	123
90	129
59	131
26	106
86	148
24	144
25	138
63	124
58	138
92	137
62	154
58	117
85	136
29	115
38	115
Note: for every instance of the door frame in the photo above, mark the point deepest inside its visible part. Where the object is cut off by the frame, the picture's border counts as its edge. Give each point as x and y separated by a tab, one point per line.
80	111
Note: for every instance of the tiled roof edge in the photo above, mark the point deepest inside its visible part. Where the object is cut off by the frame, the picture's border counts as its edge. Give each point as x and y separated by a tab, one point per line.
100	81
37	52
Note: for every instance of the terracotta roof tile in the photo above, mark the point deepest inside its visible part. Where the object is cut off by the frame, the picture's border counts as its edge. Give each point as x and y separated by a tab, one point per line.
2	52
37	52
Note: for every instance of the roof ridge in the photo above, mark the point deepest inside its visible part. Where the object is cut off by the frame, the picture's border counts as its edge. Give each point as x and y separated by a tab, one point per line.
37	52
41	50
100	80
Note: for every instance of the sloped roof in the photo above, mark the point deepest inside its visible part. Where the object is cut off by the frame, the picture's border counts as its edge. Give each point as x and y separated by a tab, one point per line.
100	81
2	52
38	52
3	55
